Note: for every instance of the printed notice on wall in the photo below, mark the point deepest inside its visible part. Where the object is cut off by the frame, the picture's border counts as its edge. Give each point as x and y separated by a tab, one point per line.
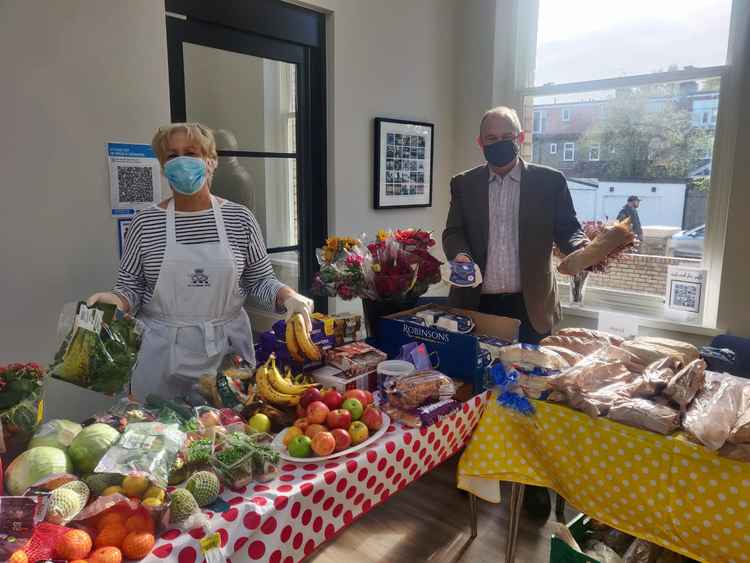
686	289
624	326
134	177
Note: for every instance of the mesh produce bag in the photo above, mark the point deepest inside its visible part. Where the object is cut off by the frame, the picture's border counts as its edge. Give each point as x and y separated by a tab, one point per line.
41	546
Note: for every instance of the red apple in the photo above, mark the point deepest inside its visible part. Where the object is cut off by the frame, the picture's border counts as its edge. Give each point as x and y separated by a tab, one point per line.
359	432
372	418
356	394
314	429
343	440
317	412
323	444
309	396
369	397
332	399
301	411
302	423
340	418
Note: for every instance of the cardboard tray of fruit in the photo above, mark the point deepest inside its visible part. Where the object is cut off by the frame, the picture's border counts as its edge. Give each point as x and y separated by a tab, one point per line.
278	444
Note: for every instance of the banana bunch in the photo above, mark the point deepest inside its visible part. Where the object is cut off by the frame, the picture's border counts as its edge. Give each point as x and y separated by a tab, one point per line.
274	389
298	341
299	379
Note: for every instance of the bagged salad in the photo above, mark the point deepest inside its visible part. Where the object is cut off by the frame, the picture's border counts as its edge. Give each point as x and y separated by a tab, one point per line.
99	348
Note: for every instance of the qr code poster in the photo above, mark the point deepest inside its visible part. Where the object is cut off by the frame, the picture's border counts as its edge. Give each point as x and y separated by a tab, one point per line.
686	289
135	177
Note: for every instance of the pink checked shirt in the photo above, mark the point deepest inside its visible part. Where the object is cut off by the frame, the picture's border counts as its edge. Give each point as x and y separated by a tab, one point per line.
503	271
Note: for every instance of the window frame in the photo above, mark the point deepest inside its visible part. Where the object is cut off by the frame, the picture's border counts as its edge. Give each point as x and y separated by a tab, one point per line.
565	114
526	14
553	148
598	148
542	116
572	149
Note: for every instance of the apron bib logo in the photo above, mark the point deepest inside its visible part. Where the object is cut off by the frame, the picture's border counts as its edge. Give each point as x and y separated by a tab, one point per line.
199	278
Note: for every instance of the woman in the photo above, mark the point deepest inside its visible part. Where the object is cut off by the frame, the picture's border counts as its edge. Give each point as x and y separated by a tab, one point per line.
188	265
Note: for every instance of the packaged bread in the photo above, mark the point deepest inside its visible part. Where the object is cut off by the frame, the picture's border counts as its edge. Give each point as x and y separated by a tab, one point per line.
574	343
642	413
612	239
415	390
741	431
568	355
648	353
532	356
659	373
591	334
687	351
714	412
686	383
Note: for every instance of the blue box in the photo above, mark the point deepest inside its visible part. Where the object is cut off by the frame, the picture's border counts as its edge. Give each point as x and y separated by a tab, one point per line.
460	355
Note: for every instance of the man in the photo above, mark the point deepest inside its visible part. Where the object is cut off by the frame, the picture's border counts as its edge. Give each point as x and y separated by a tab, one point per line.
630	210
505	215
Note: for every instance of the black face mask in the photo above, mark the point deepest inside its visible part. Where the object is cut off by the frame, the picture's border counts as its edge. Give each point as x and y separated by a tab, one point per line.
501	153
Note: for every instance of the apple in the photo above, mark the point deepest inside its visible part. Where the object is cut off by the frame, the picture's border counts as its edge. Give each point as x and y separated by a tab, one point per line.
302	423
317	412
314	429
354	406
291	433
369	397
309	396
301	411
323	444
299	446
356	394
332	399
372	418
340	418
343	440
359	432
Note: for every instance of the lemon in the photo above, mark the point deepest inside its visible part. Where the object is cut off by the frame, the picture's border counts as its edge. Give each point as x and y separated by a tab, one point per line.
259	422
113	490
155	493
152	502
135	486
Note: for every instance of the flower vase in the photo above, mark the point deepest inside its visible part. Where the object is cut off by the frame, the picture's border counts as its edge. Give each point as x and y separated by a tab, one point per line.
578	288
374	310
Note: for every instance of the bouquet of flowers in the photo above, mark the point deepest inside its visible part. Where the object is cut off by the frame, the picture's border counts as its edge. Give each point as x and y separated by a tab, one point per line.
395	266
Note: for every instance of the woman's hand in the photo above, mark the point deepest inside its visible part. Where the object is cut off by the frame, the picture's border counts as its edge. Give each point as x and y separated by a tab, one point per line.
295	303
109	298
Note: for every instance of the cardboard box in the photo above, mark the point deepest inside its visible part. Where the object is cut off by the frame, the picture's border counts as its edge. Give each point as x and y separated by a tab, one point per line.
346	327
460	355
269	342
355	359
330	376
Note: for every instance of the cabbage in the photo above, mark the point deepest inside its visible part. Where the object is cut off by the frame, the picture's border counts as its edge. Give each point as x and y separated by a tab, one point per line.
90	446
34	465
55	434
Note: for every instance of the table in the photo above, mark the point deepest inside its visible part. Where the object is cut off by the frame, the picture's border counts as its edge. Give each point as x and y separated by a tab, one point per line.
665	490
308	504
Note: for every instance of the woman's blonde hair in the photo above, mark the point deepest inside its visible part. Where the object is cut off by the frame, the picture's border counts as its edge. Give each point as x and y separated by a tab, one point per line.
196	132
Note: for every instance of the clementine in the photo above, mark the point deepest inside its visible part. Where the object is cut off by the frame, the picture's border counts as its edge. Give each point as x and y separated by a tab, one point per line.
111	536
106	555
74	544
138	545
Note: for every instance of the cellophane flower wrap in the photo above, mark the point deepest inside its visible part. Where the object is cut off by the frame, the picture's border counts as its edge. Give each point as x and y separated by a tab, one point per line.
396	265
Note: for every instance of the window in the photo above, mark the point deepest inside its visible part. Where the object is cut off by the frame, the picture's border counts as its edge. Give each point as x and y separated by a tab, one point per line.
553	148
540	120
594	152
569	152
647	113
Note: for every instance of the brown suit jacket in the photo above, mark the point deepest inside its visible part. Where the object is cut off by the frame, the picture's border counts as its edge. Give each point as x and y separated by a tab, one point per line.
546	216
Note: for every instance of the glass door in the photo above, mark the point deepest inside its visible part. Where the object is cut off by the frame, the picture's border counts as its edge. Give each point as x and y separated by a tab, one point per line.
250	90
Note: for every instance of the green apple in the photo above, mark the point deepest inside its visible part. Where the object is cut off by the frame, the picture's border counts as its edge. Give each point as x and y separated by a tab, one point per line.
301	446
259	422
354	406
359	432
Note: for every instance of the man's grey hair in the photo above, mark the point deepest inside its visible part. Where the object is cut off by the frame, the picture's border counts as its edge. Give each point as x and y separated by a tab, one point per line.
503	112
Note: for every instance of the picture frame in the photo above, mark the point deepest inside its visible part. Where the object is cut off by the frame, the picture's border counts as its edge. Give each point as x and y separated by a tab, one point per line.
402	175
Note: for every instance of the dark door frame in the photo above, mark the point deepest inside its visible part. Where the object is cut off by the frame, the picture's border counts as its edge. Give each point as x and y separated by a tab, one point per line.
276	30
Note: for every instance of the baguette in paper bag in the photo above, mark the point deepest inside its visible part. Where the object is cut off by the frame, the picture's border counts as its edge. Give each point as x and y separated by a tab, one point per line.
613	238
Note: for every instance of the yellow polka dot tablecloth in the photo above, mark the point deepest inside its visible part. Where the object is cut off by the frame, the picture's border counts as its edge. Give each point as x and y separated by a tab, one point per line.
662	489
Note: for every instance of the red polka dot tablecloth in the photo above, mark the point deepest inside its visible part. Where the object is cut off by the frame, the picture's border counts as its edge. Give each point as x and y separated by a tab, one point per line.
285	520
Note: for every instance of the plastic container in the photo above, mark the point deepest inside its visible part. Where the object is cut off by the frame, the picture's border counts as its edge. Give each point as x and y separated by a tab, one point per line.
394	368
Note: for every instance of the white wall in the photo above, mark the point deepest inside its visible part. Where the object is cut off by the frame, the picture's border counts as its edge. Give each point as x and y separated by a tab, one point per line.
76	74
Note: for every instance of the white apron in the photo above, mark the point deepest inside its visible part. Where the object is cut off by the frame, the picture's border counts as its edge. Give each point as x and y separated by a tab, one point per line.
195	316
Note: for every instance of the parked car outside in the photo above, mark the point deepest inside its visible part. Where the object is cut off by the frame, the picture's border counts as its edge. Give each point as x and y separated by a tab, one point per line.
689	243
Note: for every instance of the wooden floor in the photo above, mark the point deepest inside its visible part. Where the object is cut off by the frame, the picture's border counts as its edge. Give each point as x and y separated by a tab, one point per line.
429	521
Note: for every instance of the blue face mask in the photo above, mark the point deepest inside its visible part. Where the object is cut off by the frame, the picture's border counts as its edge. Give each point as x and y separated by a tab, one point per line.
501	153
186	174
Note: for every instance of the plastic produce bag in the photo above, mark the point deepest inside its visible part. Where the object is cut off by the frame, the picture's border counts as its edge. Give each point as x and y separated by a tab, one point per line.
147	449
715	410
99	349
414	390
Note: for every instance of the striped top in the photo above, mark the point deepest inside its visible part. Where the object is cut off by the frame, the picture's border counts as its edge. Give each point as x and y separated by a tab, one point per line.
503	271
146	242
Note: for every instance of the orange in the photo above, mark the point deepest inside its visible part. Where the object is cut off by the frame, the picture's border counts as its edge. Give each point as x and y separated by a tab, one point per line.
140	523
111	536
138	545
79	561
19	557
110	518
74	544
106	555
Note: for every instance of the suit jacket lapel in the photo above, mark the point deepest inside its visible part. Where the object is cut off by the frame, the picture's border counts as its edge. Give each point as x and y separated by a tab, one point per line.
525	211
